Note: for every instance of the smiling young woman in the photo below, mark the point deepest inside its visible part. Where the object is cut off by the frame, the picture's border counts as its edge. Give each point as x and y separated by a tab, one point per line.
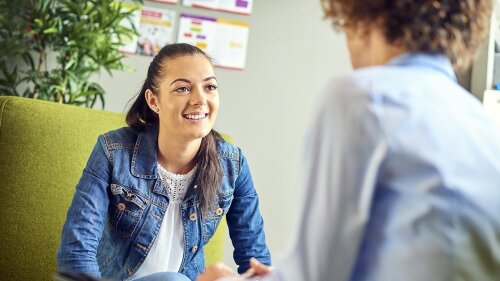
153	193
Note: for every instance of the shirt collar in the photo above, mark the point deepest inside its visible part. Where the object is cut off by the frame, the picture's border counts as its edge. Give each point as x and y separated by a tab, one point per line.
436	62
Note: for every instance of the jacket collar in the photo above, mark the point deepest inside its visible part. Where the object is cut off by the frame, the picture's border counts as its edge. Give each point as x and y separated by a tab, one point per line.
145	158
145	154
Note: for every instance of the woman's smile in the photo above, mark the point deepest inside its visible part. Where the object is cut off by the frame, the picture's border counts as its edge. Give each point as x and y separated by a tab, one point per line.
195	116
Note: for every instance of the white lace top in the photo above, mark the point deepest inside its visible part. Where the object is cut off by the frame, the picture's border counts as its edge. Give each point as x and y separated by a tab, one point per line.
168	249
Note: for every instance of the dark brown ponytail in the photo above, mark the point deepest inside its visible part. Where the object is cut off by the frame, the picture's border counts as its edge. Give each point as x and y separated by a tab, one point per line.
209	175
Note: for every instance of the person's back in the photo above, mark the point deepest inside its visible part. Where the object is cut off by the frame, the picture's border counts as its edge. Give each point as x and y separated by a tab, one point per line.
435	212
401	167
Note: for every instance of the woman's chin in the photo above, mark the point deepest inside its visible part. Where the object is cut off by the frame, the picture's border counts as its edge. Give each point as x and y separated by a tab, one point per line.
200	134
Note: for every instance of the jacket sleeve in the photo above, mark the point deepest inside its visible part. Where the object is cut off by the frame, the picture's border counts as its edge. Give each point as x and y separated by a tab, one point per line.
85	218
246	226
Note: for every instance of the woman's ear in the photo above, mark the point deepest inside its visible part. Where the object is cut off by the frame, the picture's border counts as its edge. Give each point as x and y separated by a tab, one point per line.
151	100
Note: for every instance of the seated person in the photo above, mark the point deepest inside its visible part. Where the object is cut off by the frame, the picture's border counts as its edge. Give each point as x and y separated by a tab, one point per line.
402	165
153	193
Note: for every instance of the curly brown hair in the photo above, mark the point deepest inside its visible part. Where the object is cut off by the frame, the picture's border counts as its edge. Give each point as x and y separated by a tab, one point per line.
452	28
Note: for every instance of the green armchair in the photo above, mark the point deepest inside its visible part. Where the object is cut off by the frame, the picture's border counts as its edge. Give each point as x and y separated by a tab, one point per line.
44	147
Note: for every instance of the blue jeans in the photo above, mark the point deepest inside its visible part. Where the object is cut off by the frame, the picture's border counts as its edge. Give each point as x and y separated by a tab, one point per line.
164	276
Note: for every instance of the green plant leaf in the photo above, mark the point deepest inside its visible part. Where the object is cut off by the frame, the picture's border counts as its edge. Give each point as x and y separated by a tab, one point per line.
38	23
50	30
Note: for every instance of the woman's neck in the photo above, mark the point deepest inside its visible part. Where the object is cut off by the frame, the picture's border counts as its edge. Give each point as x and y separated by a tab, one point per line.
176	155
368	46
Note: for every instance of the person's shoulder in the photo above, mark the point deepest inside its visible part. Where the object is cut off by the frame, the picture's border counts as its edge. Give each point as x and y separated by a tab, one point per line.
365	79
370	84
345	90
122	137
226	150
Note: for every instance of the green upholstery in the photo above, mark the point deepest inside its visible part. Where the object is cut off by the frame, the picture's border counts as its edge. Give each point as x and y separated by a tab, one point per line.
44	147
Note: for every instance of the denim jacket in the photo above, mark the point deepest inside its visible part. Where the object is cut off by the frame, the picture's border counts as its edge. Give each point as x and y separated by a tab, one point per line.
120	202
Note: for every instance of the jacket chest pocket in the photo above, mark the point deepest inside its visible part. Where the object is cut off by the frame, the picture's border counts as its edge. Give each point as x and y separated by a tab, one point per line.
212	220
125	209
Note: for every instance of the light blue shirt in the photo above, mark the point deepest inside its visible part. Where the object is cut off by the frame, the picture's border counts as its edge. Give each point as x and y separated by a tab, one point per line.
402	180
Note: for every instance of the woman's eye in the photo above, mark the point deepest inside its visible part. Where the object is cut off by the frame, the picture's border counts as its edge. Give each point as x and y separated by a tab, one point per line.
212	87
182	90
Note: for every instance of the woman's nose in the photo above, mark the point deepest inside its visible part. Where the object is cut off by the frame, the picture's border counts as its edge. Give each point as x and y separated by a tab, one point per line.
198	97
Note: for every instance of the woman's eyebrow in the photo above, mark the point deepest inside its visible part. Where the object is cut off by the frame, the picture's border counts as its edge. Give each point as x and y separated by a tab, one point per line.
189	81
180	79
208	78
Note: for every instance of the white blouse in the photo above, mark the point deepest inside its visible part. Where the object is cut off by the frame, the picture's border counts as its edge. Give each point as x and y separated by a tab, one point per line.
167	250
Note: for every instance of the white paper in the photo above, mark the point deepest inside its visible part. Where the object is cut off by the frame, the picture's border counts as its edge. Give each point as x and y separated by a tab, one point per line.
155	31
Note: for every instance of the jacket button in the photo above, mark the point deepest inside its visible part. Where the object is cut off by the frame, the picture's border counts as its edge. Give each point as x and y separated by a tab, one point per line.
192	217
194	249
121	206
219	211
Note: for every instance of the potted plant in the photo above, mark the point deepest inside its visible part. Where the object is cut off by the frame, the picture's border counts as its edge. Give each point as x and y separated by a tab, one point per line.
50	49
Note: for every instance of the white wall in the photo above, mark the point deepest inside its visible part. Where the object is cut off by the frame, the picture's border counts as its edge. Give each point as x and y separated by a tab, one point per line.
291	55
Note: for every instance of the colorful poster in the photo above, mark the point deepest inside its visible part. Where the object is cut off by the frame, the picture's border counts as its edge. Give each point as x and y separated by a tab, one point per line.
130	43
224	40
232	6
155	30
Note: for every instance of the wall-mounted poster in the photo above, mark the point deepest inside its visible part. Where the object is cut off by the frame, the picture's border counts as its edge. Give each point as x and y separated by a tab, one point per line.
232	6
155	30
224	40
130	44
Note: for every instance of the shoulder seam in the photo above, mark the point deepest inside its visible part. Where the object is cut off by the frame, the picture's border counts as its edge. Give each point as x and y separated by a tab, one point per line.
114	145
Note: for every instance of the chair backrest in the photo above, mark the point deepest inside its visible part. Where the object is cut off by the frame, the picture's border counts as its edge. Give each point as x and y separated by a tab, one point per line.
44	147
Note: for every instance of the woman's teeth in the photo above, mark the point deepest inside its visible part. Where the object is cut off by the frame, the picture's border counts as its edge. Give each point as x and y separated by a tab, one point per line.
195	116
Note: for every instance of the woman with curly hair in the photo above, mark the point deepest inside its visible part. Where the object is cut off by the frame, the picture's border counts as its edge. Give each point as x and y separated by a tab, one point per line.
402	167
